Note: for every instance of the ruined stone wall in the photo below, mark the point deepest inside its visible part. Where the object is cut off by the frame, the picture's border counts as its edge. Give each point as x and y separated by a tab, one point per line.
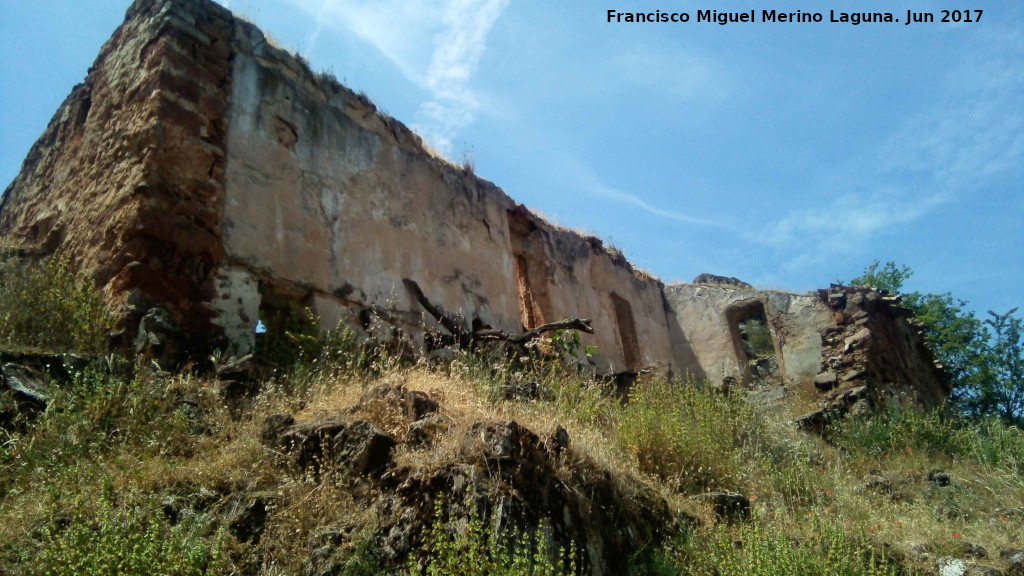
873	342
127	175
332	203
707	315
840	345
202	170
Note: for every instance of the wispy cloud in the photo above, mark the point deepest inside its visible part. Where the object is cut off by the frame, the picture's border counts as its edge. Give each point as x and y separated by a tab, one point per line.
457	52
969	136
436	44
590	183
849	219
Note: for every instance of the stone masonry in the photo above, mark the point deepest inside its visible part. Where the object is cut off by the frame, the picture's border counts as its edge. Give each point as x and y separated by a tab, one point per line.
202	170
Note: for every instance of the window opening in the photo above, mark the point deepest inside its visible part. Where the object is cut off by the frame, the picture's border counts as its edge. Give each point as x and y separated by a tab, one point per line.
754	343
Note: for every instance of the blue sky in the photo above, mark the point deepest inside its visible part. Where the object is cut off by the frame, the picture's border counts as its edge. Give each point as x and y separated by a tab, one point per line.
788	155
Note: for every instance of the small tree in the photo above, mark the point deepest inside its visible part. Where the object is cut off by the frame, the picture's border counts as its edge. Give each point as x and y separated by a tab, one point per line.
960	342
890	277
1006	386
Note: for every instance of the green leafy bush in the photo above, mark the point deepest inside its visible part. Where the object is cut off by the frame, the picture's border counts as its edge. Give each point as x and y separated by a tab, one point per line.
567	343
691	436
96	414
989	441
477	550
50	306
133	539
751	550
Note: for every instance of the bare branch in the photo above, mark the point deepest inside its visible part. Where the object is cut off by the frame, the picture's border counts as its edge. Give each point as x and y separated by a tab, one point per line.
450	324
465	338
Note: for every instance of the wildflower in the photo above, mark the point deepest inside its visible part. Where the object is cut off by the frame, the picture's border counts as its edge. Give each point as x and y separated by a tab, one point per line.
957	535
1003	519
908	450
886	456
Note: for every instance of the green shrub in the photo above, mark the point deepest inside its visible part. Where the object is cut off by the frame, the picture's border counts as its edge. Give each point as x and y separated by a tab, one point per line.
49	306
363	560
894	431
293	341
96	414
583	400
793	471
692	437
133	539
750	550
994	443
477	550
568	345
989	441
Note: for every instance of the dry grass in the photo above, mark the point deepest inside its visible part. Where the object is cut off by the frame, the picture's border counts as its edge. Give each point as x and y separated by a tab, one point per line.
124	435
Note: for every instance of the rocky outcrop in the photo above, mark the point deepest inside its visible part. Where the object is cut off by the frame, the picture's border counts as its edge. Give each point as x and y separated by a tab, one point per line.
502	473
355	446
29	380
727	505
510	476
24	394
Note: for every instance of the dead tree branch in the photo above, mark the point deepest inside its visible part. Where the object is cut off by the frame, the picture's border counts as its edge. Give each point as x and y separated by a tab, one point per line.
449	323
581	324
466	338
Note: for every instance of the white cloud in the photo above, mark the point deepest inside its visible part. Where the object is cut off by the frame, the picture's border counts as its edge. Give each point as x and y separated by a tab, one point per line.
457	51
436	44
589	182
969	136
850	219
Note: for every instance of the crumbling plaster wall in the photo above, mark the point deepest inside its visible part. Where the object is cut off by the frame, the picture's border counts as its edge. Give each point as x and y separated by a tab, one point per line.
842	346
797	324
335	203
